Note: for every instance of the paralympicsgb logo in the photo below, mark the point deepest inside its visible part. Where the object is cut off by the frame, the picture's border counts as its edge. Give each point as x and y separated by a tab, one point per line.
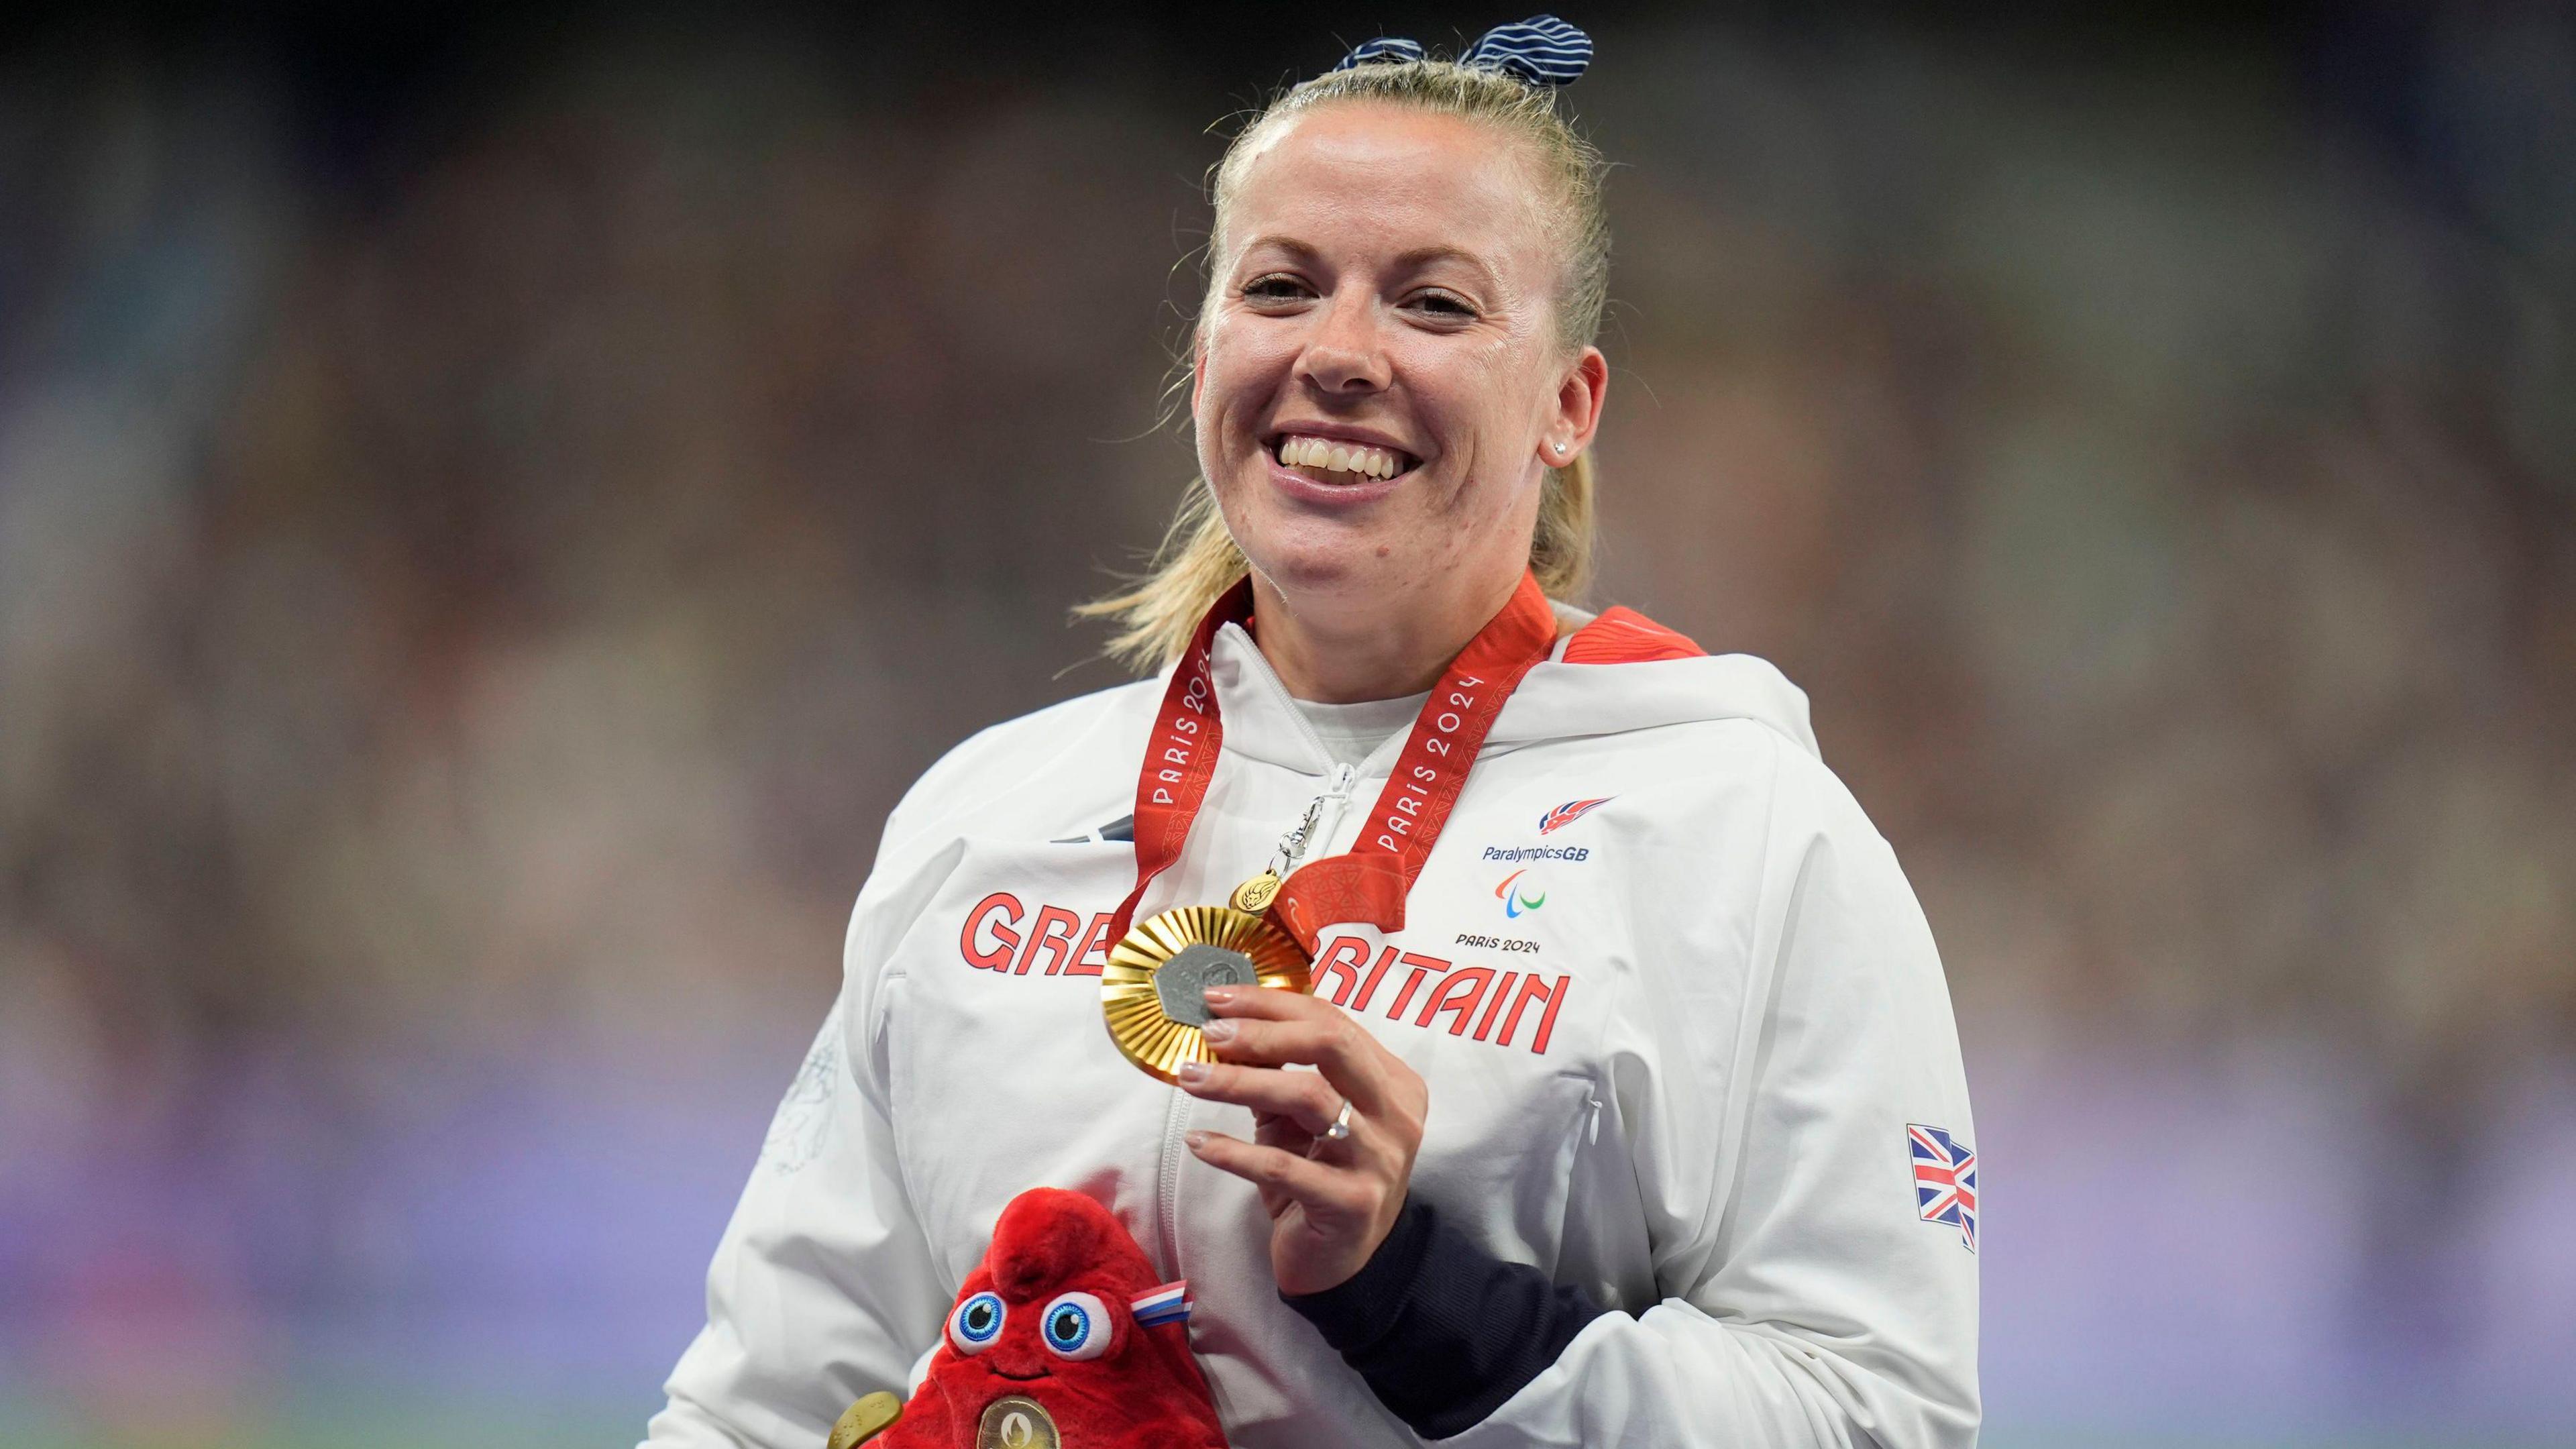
1569	812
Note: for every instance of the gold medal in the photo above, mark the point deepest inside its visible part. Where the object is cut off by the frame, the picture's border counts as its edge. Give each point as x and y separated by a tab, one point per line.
1254	896
1150	991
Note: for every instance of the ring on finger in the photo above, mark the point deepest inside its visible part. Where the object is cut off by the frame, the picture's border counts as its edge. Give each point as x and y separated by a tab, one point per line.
1340	1131
1336	1134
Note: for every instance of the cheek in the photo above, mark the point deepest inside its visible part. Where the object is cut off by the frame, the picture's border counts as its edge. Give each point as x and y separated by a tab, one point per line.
1475	397
1238	366
1474	405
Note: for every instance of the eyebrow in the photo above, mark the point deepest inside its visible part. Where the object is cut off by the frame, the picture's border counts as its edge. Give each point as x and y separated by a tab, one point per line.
1413	260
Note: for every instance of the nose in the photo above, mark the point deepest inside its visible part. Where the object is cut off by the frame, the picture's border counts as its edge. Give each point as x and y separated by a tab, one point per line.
1344	356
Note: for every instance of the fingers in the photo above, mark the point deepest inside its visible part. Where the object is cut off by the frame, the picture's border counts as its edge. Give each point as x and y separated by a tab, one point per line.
1272	1028
1331	1202
1303	1098
1329	1195
1268	1003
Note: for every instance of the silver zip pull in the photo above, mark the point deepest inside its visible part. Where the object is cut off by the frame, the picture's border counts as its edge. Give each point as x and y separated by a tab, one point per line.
1344	776
1256	894
1294	845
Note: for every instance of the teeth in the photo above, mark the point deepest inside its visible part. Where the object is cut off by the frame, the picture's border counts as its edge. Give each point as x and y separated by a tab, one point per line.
1331	457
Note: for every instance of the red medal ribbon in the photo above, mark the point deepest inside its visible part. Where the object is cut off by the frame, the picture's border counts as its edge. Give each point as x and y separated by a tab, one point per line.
1368	883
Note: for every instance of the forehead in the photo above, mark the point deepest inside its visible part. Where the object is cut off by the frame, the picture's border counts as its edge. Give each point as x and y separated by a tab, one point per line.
1367	176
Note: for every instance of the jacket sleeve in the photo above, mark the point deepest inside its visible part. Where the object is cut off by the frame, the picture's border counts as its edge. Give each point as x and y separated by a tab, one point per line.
1805	1300
823	1286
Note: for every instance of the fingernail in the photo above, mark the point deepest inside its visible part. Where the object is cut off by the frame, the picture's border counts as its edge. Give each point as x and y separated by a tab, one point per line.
1218	995
1192	1072
1218	1030
1196	1140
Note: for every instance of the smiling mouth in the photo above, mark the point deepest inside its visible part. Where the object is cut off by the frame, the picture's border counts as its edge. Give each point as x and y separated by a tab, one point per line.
1340	463
1019	1378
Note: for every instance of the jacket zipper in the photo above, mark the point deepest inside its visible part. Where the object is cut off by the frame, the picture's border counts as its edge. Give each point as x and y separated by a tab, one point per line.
1176	1115
1338	798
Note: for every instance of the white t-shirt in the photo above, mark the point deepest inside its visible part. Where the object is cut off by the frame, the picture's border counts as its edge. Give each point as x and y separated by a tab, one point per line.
1352	732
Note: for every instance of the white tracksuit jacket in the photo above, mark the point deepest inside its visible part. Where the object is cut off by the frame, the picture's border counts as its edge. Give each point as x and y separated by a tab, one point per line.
1676	1045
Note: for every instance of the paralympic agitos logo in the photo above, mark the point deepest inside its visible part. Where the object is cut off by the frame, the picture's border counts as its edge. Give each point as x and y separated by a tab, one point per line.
1521	893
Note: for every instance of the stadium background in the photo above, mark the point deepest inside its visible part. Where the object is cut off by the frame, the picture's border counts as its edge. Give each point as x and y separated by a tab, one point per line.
495	504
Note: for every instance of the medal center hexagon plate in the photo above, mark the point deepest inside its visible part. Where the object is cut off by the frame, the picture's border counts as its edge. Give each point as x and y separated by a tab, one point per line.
1150	989
1180	984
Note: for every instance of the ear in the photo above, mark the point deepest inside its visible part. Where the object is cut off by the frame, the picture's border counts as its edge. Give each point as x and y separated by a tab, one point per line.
1577	416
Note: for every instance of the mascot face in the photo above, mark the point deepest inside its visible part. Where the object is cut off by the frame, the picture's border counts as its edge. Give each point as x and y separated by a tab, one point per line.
1063	1339
1046	1329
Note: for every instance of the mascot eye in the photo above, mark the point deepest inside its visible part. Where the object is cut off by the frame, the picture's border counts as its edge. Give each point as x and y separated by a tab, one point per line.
976	1323
1076	1326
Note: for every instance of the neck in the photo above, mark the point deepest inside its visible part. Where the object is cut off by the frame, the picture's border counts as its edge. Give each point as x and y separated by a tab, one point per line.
1342	653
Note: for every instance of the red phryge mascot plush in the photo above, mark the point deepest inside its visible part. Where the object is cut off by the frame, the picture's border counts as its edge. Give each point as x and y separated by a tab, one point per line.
1061	1340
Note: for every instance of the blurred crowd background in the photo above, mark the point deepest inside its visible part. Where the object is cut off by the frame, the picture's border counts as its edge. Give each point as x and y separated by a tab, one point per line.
496	504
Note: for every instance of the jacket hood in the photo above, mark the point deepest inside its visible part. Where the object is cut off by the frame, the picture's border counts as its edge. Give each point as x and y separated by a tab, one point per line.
1556	700
1562	701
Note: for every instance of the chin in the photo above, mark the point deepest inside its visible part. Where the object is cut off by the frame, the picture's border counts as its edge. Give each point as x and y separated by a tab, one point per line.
1320	572
1304	551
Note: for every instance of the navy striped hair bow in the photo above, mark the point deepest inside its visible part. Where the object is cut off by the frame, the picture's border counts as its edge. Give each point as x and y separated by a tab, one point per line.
1539	51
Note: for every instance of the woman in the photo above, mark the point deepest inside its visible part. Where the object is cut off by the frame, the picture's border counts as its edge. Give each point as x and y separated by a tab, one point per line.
1627	1106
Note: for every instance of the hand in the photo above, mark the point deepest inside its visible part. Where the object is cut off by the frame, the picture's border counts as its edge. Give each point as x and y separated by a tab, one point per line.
1331	1203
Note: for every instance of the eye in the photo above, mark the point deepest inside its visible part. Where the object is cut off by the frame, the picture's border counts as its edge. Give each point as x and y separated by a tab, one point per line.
1076	1326
1275	287
976	1323
1447	306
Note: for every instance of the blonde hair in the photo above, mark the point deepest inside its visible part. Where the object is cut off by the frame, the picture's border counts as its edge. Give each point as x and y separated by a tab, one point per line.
1198	559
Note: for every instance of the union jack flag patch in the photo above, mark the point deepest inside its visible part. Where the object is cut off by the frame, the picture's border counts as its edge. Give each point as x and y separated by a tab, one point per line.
1945	1180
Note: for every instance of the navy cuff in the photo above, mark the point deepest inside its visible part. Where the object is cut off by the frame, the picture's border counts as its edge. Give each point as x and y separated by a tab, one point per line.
1443	1331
